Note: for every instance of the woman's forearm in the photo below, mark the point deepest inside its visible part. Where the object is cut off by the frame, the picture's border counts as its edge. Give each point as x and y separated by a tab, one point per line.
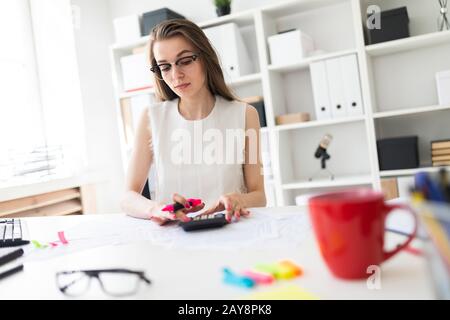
253	199
138	206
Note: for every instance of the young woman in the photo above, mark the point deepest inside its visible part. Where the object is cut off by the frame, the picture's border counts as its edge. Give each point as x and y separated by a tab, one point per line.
203	142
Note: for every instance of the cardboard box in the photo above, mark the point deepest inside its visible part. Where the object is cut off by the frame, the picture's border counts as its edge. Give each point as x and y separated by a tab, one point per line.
292	118
389	188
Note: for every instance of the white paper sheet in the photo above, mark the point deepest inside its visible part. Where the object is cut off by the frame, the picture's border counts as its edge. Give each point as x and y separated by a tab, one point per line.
262	229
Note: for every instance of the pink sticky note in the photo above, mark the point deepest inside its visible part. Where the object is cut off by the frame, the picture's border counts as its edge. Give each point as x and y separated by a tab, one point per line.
62	238
259	277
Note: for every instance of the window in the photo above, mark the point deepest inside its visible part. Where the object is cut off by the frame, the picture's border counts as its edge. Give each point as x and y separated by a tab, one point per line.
41	119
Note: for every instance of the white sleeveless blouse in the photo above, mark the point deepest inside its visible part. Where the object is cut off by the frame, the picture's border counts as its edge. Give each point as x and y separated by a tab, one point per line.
198	158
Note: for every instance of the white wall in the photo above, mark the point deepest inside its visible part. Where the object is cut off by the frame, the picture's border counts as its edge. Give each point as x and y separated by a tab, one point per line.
195	10
93	38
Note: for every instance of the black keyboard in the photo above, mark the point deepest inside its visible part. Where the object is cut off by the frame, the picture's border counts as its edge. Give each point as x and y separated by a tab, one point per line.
11	233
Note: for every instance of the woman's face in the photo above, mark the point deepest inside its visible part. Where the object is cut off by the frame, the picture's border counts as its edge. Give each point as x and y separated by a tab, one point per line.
180	71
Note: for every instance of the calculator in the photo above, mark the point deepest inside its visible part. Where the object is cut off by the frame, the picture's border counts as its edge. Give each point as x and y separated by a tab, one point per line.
205	222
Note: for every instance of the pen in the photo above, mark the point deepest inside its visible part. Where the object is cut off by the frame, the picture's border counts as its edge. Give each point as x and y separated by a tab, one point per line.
403	233
177	206
429	187
10	272
11	256
444	183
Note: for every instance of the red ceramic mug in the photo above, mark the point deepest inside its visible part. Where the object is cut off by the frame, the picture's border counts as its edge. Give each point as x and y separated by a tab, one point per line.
349	227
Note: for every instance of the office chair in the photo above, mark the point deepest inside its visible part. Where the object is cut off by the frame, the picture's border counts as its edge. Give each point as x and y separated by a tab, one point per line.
146	191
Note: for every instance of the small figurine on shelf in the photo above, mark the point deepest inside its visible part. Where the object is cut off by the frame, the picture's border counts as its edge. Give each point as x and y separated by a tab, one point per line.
223	7
443	23
322	154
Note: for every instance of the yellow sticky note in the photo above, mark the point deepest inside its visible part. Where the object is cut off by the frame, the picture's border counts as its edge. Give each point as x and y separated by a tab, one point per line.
289	292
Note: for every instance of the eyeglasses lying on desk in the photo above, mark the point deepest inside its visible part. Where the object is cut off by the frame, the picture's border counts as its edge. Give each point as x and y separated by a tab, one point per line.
114	282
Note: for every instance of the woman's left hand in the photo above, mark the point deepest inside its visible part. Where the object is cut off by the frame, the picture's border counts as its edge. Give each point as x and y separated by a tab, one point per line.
233	205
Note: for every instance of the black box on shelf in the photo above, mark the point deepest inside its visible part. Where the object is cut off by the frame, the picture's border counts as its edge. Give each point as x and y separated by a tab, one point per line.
152	18
398	153
394	25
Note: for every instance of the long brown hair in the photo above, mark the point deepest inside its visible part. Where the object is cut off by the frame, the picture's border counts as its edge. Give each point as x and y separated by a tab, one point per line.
195	35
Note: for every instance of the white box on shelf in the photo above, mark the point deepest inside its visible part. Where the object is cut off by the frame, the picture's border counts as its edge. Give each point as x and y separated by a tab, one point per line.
320	90
289	47
443	87
135	72
229	45
127	28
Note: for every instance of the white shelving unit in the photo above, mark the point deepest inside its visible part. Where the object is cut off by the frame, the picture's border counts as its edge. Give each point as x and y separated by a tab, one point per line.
397	81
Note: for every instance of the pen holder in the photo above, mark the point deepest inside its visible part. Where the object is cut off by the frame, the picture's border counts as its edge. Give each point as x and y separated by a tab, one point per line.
434	217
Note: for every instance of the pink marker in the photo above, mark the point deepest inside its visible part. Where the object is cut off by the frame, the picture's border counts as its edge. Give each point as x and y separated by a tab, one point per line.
259	277
177	206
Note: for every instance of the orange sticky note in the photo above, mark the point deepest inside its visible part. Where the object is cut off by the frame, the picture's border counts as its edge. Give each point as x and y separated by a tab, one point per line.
295	268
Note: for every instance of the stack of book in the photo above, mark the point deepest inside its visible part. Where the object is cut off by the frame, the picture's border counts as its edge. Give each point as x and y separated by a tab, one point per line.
440	153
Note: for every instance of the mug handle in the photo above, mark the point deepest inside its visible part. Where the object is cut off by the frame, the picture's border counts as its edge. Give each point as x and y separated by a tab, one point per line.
390	208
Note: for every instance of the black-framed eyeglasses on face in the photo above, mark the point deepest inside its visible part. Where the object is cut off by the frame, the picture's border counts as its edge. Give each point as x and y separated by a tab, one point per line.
162	69
114	282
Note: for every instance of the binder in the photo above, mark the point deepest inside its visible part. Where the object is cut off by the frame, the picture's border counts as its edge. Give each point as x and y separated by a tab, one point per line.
336	88
352	86
231	49
320	90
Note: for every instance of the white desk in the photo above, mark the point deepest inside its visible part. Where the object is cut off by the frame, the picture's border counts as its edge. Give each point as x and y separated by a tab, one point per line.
190	274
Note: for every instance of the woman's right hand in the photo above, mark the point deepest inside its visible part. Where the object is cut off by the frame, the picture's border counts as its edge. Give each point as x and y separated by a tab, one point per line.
162	217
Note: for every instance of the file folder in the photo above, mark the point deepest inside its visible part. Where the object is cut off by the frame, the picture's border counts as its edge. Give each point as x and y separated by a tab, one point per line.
320	90
231	49
336	88
352	86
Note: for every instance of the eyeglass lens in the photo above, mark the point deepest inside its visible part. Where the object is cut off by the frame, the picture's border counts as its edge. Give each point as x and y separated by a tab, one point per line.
164	68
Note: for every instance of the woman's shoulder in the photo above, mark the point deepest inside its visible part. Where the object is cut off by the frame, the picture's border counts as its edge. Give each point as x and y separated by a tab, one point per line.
241	105
155	105
158	107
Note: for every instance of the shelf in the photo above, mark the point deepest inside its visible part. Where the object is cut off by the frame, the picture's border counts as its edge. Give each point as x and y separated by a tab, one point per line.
415	42
294	7
306	62
243	18
58	209
318	123
338	182
396	113
136	93
39	201
408	172
250	78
